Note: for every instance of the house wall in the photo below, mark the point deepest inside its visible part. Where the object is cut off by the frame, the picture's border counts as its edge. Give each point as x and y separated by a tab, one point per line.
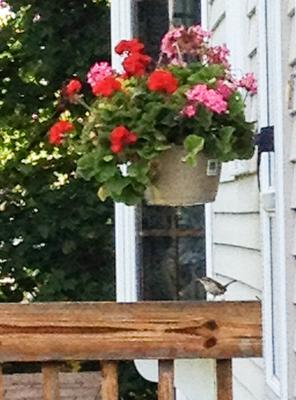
287	144
234	218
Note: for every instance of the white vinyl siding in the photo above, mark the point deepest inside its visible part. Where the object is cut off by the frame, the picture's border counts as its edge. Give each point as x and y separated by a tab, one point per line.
235	214
289	49
235	220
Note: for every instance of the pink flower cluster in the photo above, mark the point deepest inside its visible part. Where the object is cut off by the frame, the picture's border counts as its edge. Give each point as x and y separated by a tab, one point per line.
218	55
168	43
189	111
98	72
210	98
249	82
188	40
200	33
226	88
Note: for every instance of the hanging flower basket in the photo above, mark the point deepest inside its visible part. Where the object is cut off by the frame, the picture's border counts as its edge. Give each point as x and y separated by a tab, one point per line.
175	183
158	131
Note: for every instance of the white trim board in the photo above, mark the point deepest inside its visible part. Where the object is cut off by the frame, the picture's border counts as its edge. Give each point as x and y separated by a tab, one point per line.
125	217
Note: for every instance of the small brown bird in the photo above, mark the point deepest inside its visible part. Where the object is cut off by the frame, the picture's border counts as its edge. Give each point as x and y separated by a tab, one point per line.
213	287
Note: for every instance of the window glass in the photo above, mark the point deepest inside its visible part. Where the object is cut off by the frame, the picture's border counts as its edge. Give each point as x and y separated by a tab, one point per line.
186	12
172	245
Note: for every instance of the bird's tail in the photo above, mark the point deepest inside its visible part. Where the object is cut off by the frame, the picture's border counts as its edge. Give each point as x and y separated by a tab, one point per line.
230	283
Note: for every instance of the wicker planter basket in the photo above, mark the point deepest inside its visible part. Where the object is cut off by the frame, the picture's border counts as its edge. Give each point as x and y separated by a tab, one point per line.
177	184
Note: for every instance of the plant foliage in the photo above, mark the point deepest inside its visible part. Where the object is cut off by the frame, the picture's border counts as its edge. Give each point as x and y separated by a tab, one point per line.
191	99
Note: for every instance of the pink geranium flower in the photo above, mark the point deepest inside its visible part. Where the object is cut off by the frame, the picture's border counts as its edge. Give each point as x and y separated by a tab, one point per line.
168	43
215	102
197	93
189	111
209	98
98	72
218	55
200	33
226	88
249	82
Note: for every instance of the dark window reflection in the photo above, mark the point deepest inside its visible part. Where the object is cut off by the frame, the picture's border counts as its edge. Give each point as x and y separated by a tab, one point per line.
173	252
151	22
186	12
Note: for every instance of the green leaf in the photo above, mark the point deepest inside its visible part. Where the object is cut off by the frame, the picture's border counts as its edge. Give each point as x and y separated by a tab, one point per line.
103	193
148	152
139	171
207	75
44	231
225	143
68	246
106	171
130	196
236	105
87	165
162	146
193	145
204	117
108	158
91	165
117	184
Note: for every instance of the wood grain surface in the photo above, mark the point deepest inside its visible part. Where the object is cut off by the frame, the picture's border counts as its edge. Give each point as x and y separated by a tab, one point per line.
51	387
224	380
113	331
109	389
1	384
166	390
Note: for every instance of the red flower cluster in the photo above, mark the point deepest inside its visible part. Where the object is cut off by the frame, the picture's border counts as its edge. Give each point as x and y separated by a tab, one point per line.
136	62
72	88
106	87
58	130
120	137
162	81
129	46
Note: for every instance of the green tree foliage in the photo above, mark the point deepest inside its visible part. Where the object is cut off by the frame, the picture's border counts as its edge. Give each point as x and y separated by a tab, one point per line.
56	239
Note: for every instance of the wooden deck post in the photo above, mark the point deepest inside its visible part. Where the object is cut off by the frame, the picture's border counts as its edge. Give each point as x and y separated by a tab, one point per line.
110	389
51	389
166	390
1	384
224	380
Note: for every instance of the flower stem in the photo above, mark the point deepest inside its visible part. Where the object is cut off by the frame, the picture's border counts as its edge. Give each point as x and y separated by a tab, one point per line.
83	103
180	55
159	60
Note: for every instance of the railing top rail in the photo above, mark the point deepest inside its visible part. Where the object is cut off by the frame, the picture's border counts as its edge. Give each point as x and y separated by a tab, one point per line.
112	331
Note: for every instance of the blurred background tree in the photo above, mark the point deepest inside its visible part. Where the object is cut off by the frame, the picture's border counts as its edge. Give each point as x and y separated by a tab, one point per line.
56	239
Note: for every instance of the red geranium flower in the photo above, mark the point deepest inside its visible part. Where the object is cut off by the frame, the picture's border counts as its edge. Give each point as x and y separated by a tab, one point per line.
58	130
162	81
136	63
73	88
129	46
120	137
106	87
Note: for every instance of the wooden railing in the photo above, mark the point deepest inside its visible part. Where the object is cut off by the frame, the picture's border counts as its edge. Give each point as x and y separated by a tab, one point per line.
51	333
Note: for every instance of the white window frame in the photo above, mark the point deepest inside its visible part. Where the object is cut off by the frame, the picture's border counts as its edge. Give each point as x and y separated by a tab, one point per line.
279	385
267	191
125	216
